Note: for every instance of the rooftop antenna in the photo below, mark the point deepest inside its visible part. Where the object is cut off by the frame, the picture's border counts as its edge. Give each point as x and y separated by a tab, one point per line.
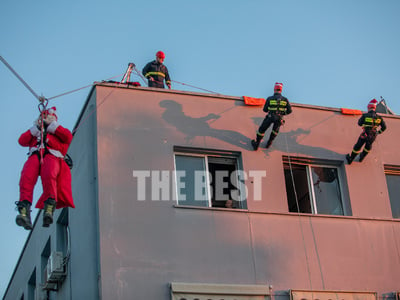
387	109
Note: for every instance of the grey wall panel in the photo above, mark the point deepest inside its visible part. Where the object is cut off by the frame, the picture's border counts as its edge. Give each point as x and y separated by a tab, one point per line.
84	262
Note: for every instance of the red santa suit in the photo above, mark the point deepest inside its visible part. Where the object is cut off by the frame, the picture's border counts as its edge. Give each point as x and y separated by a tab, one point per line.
54	171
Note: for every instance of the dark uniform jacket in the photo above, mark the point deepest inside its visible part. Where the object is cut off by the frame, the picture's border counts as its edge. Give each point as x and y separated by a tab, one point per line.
158	72
277	104
370	121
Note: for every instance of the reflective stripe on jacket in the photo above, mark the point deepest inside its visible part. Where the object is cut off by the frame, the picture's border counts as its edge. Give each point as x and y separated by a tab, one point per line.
370	121
157	71
277	104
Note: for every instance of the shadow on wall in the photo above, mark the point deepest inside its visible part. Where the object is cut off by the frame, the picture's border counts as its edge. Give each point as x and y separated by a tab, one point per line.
195	127
290	142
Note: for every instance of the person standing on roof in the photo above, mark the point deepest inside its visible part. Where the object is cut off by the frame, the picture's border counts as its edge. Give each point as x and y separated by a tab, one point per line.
156	72
276	107
370	122
48	143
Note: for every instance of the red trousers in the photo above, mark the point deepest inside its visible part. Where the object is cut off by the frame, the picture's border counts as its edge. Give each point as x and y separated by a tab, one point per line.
29	177
56	180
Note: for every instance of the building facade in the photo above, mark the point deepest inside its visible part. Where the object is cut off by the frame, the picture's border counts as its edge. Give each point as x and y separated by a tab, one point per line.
173	203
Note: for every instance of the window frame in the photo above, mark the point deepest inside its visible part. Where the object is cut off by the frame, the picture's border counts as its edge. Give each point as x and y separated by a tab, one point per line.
206	154
309	163
392	170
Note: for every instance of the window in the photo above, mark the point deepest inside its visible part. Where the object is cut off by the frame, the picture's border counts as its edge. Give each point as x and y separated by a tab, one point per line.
209	178
44	259
32	285
63	232
313	186
393	183
199	291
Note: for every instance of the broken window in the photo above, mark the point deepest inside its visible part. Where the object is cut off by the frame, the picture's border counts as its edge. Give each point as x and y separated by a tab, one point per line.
393	183
208	178
312	187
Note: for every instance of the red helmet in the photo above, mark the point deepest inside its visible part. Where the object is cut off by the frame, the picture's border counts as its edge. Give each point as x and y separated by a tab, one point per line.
372	104
160	54
278	86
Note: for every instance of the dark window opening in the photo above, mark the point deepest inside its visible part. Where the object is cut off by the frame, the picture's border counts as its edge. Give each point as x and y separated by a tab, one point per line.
392	174
209	178
313	189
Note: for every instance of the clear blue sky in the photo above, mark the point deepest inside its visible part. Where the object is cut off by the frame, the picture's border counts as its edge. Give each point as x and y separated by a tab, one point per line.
335	53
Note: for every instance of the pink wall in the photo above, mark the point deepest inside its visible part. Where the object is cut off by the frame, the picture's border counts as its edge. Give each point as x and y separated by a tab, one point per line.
147	244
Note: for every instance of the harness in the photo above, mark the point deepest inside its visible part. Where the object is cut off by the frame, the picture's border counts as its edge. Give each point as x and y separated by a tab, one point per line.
277	106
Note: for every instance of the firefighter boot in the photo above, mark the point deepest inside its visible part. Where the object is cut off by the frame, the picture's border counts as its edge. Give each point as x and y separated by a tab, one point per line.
49	207
362	156
351	157
24	217
255	143
271	139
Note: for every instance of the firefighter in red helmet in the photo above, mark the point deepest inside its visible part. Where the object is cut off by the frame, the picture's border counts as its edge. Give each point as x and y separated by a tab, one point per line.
156	72
372	125
276	107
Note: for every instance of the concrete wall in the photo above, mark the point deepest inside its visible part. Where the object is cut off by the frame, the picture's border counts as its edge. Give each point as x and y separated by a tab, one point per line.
84	263
145	245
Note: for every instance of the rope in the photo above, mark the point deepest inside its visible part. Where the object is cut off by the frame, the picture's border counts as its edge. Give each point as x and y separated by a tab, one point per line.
196	87
298	214
301	227
91	112
81	88
20	79
141	76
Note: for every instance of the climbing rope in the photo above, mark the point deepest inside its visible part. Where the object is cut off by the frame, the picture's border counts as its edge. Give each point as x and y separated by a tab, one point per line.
298	213
141	76
196	87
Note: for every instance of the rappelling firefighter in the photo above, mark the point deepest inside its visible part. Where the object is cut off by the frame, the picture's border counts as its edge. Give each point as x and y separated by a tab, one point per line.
156	72
48	143
372	125
276	107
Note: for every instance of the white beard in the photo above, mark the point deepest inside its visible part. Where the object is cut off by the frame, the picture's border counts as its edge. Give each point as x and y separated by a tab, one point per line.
49	119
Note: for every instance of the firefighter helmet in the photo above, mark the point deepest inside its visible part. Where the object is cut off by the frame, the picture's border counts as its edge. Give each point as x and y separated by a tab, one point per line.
160	54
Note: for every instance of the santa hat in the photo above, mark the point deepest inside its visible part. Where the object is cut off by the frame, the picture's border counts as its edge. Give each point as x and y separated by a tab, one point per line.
372	104
52	111
278	86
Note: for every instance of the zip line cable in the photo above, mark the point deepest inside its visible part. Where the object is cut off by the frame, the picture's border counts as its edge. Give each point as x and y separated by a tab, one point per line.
20	79
141	76
196	87
81	88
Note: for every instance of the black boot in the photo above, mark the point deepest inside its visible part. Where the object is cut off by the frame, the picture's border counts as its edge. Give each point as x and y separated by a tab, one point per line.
271	139
351	157
24	217
49	207
255	144
269	143
362	156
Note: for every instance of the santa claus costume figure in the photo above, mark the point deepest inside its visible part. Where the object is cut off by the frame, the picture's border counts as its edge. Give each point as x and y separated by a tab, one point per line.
47	149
